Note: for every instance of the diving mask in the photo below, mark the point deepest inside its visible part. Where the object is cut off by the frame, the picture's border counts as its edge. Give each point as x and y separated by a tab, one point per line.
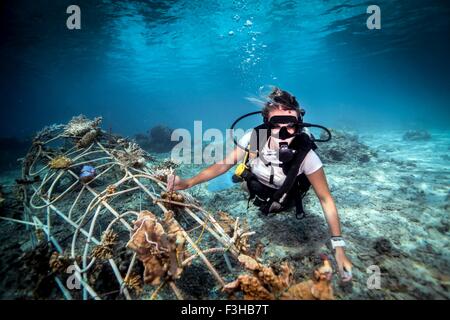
283	127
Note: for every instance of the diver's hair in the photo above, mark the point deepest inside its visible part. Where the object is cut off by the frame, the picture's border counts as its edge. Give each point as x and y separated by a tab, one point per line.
280	99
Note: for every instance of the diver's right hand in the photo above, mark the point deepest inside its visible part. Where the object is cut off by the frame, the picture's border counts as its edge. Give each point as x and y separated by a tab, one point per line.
175	183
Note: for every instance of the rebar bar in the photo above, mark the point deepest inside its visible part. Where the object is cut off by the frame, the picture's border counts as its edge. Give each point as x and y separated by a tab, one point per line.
86	204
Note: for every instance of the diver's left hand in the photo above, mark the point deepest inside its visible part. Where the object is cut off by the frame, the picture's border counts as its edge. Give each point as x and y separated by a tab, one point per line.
344	264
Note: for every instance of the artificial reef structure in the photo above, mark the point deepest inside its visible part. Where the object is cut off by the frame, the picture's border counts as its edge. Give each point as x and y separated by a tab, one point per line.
100	202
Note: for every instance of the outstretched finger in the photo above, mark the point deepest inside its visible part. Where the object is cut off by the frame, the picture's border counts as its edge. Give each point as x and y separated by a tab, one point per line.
347	274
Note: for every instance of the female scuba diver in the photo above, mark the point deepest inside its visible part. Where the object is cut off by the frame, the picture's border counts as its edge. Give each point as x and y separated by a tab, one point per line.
279	165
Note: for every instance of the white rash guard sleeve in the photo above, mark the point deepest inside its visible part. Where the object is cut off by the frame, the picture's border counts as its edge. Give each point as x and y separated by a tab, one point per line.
311	163
245	139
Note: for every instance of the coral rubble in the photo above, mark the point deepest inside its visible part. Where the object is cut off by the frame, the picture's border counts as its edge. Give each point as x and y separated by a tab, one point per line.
134	282
105	249
264	284
60	162
172	196
345	148
88	138
80	125
268	284
59	263
130	154
160	248
318	288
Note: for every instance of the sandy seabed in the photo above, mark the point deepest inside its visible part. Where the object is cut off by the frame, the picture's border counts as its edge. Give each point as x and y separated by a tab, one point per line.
393	199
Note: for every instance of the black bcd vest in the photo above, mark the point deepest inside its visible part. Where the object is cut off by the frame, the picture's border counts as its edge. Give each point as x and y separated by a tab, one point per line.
294	187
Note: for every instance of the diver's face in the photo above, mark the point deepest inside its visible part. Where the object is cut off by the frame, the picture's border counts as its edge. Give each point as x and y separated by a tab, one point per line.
279	112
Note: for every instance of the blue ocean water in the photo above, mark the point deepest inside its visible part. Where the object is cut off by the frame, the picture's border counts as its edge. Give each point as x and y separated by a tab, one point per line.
140	63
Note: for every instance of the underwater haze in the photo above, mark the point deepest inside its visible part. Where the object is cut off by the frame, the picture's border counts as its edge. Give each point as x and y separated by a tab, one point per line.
141	63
